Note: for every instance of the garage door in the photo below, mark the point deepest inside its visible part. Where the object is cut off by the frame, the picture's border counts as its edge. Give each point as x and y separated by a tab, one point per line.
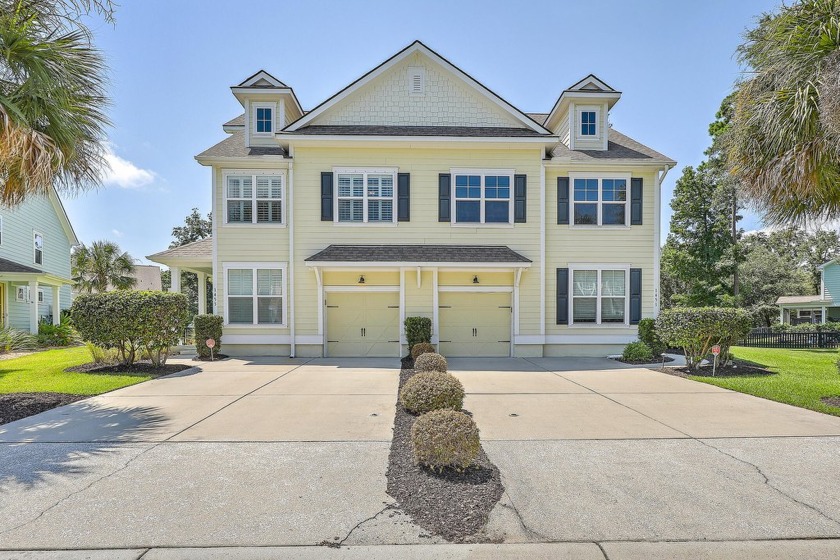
474	324
363	324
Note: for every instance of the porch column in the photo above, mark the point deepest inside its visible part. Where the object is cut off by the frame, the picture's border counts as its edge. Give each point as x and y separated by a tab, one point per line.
202	292
782	315
33	306
56	305
175	275
823	318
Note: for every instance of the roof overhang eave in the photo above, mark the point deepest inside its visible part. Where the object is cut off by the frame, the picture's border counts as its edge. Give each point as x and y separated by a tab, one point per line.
410	264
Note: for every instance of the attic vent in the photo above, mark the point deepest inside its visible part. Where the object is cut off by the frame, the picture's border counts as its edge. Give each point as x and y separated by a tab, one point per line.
416	80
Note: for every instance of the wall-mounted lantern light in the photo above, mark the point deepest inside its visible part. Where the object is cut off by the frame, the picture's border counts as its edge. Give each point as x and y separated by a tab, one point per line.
362	279
475	279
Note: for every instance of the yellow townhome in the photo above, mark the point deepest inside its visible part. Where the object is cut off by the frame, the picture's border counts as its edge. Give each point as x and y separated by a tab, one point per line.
417	191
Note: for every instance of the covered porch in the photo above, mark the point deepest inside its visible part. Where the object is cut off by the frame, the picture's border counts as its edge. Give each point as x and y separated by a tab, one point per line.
195	257
24	298
798	310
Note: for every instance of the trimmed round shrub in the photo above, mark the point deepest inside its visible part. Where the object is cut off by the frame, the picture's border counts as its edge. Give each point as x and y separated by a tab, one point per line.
697	329
432	390
637	352
421	348
430	362
445	439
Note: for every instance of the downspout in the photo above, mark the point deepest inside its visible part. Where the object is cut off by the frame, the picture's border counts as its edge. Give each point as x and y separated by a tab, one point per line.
659	176
542	249
290	224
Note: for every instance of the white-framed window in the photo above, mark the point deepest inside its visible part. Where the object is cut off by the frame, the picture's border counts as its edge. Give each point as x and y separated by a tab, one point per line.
255	294
599	295
254	197
587	122
38	247
263	118
21	294
482	196
600	200
365	195
40	295
810	315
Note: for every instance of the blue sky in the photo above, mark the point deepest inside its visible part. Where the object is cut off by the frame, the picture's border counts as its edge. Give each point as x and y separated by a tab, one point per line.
172	63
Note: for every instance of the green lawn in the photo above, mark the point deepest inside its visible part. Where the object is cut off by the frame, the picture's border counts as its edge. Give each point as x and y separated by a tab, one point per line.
800	377
44	372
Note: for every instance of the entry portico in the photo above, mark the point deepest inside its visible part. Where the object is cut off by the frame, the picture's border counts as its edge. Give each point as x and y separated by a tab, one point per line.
25	284
195	257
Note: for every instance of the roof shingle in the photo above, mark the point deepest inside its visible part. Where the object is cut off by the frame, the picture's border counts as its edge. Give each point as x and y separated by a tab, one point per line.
196	251
234	146
13	267
378	130
620	146
419	253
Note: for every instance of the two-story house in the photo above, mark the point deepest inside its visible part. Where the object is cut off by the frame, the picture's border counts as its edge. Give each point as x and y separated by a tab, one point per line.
822	308
36	238
418	191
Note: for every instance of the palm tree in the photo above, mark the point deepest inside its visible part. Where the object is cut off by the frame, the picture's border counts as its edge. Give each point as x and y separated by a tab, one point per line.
784	141
102	266
52	98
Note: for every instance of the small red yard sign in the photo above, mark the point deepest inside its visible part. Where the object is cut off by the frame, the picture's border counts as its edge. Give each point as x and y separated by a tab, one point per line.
212	343
716	349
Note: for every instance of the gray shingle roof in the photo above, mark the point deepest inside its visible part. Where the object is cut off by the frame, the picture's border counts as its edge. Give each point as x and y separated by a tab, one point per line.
234	146
619	147
236	121
13	267
539	117
803	299
375	130
419	253
196	251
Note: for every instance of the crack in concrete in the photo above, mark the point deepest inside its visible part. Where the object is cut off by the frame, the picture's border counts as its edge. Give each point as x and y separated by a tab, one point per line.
80	490
532	534
603	550
336	544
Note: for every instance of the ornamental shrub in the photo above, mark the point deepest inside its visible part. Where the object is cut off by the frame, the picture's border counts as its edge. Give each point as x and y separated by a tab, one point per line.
417	329
445	439
432	390
130	321
648	335
57	335
637	352
697	329
207	326
421	348
13	340
430	362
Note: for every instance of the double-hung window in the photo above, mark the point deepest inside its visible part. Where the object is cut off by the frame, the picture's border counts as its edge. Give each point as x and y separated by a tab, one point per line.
38	247
255	295
263	119
599	296
600	201
588	123
482	197
254	198
365	196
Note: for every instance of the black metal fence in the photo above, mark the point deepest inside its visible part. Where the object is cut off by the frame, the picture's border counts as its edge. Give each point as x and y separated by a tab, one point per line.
765	338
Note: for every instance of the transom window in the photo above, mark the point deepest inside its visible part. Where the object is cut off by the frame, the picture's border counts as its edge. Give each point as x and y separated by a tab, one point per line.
599	201
263	120
588	123
255	296
38	247
365	196
254	199
599	296
482	198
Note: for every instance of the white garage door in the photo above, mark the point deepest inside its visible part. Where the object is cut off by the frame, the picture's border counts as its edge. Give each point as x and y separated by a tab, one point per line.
475	324
363	324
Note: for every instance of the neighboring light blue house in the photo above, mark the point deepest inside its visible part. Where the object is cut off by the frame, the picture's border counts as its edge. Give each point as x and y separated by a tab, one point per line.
35	242
821	308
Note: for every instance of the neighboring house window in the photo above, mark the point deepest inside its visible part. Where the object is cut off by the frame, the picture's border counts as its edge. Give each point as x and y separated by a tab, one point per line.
242	198
38	246
599	296
482	198
40	296
21	294
263	120
810	315
365	196
255	295
600	201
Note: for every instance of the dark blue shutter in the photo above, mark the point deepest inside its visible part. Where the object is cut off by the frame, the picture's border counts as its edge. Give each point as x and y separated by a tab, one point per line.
520	187
562	296
444	197
563	200
326	196
635	295
636	189
403	197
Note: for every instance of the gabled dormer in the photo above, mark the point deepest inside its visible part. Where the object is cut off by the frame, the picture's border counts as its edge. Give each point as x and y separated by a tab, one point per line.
581	115
269	106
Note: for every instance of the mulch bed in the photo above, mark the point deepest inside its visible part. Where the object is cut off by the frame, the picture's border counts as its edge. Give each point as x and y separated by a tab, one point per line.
454	505
645	362
831	401
137	368
739	369
216	358
15	406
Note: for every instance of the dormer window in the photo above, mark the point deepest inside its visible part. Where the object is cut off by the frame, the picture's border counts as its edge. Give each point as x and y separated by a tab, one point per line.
264	119
588	120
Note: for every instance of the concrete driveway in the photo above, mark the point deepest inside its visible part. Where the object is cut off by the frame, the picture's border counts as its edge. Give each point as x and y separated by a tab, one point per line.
597	458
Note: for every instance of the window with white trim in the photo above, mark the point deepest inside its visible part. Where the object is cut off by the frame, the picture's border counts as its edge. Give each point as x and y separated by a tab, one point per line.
22	294
600	201
599	296
588	123
40	295
38	247
245	193
365	196
255	296
482	198
264	119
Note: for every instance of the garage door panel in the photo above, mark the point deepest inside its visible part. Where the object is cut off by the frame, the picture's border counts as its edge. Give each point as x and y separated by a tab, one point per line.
475	323
363	324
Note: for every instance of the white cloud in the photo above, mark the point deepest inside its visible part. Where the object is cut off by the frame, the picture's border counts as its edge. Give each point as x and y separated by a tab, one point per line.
124	174
117	233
